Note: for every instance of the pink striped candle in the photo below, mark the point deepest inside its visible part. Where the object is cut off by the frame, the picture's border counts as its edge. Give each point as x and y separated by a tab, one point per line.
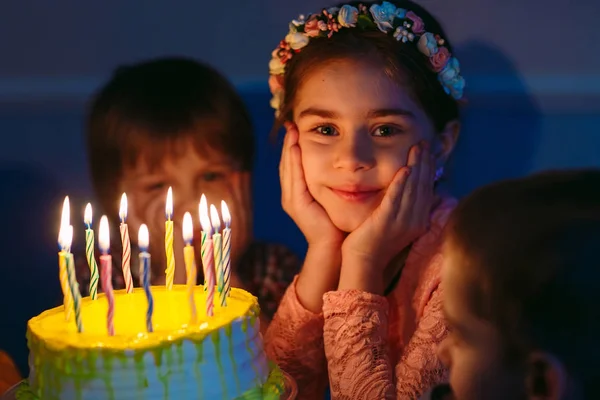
208	258
126	259
106	273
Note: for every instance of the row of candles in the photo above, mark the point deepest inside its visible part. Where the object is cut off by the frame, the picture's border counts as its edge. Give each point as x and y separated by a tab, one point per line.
215	251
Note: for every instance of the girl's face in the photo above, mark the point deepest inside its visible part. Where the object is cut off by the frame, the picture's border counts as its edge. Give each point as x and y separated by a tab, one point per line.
473	349
356	127
190	175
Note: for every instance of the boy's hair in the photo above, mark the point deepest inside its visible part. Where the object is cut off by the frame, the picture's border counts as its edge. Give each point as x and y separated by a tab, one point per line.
530	249
403	62
148	109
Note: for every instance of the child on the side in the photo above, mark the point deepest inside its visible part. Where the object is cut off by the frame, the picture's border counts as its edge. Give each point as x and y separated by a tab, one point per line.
521	284
175	122
368	93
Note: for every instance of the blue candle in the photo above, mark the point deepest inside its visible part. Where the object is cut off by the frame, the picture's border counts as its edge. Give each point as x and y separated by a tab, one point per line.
143	242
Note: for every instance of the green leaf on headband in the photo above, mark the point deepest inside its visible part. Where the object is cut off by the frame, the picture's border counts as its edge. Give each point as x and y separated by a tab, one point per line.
364	22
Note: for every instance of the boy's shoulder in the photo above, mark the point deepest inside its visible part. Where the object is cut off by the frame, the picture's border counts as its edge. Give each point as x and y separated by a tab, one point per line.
267	258
267	270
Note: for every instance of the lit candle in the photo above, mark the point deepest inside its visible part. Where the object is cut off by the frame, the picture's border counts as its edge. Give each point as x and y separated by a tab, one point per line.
62	259
203	209
73	285
106	273
218	247
143	243
207	258
190	263
226	252
126	259
170	271
89	252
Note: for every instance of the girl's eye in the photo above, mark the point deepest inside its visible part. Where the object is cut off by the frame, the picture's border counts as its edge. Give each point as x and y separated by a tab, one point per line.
386	130
326	130
211	176
155	186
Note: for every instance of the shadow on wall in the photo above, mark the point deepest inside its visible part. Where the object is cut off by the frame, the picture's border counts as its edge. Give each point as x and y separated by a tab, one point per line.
501	122
29	275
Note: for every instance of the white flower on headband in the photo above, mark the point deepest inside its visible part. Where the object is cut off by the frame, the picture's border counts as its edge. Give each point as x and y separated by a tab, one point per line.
296	40
404	25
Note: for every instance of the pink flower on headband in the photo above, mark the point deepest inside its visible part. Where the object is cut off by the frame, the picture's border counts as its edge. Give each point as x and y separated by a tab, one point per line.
418	26
312	27
275	83
440	59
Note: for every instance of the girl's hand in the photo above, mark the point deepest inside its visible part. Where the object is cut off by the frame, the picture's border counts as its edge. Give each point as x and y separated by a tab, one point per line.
321	270
402	217
297	201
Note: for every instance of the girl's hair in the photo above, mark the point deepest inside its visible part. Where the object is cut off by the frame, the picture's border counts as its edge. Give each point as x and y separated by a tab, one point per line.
401	61
530	253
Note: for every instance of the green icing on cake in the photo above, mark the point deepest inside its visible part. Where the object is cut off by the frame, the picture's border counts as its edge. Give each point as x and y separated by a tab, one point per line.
273	388
216	338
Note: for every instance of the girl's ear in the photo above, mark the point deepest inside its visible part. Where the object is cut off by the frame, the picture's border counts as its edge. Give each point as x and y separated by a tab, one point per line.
446	141
546	377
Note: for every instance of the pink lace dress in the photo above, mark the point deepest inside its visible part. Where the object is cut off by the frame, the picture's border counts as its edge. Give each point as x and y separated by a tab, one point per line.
369	346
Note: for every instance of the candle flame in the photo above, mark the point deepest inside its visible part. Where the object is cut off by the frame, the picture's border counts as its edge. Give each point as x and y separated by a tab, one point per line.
203	212
143	237
68	238
188	228
65	218
123	208
225	214
214	216
169	204
87	214
64	223
104	235
65	237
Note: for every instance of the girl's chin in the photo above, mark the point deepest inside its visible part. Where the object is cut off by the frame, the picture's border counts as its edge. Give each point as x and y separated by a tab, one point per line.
348	223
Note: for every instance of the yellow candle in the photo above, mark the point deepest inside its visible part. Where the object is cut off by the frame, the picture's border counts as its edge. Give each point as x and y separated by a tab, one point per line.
65	222
126	245
170	271
190	263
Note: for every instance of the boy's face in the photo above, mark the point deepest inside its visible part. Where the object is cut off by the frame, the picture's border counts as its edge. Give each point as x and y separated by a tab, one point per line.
473	349
190	175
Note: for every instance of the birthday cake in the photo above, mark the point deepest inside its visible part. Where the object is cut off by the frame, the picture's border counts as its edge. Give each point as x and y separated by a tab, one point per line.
219	357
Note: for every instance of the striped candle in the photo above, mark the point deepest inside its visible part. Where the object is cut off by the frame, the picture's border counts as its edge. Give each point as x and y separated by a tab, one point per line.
170	271
190	263
226	252
203	209
62	259
143	243
208	258
126	244
74	286
89	252
106	273
218	247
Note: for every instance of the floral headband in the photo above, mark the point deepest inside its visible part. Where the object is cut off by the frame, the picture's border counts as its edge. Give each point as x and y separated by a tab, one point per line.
404	25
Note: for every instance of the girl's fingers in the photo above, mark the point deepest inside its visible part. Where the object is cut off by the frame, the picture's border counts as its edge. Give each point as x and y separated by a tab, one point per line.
409	195
393	196
424	197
